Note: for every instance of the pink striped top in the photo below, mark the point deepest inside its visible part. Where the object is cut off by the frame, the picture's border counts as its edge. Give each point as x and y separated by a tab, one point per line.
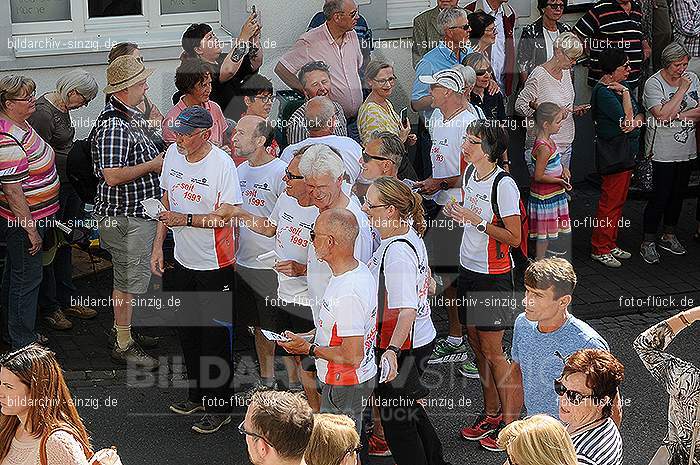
33	164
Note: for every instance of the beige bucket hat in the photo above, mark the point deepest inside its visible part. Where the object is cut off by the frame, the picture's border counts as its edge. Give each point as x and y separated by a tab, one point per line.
124	72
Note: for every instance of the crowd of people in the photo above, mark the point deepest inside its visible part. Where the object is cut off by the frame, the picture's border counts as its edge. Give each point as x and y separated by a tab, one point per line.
329	233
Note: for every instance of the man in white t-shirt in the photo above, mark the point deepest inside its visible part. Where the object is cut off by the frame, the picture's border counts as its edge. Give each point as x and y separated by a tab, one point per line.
346	323
323	174
261	184
321	121
290	225
198	178
447	127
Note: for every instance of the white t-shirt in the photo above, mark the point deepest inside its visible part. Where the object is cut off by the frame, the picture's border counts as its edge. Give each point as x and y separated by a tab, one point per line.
348	308
478	251
498	50
318	273
407	282
260	186
350	151
200	188
292	242
549	38
446	152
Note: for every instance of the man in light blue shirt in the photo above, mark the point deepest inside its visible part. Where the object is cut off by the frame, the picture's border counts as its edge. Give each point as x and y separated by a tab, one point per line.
449	52
544	335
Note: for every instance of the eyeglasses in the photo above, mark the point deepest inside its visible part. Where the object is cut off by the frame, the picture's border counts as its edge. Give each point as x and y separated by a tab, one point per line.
556	6
391	81
353	13
366	157
371	207
242	431
266	99
483	71
354	450
466	27
290	175
28	98
85	101
313	235
574	397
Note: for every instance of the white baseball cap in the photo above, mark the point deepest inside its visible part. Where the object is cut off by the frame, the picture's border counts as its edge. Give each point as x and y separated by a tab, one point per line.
448	78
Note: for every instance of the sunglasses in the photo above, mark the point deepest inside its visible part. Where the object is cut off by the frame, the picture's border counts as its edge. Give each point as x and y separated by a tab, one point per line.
290	175
366	157
466	27
483	71
574	397
556	6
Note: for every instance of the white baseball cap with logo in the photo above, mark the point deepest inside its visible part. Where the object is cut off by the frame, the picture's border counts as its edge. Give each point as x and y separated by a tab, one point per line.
447	78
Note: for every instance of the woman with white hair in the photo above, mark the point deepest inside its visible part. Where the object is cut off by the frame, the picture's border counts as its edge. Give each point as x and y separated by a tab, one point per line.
51	120
551	82
671	96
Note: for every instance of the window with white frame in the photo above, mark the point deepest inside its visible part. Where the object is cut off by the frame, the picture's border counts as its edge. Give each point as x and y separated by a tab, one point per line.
68	20
400	13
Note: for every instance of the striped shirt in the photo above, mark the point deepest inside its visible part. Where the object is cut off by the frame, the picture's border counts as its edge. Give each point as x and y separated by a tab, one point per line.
33	164
607	25
601	445
297	130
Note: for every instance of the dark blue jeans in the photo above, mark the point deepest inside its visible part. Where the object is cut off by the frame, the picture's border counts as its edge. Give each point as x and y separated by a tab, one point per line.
20	283
57	287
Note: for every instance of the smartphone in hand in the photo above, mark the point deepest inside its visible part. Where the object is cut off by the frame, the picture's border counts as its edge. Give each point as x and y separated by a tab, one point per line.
404	115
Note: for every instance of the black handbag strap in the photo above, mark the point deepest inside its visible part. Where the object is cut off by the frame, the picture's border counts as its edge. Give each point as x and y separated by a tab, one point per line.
382	301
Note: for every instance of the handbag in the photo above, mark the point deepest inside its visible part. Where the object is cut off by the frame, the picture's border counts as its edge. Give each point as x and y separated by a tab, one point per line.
611	155
663	457
643	176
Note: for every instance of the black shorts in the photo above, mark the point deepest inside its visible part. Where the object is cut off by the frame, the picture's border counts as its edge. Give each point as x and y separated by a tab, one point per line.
255	295
443	240
486	301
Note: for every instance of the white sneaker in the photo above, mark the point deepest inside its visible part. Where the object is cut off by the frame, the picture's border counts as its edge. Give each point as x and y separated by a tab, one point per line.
620	254
607	260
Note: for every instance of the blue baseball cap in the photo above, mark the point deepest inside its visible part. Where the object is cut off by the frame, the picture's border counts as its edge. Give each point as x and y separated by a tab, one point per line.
192	118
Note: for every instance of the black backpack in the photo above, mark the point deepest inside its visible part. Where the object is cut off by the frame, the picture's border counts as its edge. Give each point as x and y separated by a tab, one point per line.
79	165
518	254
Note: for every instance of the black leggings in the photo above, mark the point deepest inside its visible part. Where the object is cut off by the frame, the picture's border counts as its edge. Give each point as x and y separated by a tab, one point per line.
670	184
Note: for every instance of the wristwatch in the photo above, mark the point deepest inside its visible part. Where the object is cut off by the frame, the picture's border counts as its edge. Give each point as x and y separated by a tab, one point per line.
481	227
312	350
394	349
189	219
444	186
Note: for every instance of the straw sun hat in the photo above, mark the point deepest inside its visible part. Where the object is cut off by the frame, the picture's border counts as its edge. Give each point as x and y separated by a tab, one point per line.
124	72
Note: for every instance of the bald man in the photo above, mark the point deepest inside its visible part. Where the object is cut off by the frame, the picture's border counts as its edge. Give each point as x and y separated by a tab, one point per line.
320	121
261	180
346	321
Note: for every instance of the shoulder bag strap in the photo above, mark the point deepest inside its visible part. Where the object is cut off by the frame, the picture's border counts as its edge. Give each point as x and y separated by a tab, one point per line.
696	432
496	210
3	133
381	301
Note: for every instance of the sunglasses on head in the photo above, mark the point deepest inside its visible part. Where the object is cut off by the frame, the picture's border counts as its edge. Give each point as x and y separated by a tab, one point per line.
574	397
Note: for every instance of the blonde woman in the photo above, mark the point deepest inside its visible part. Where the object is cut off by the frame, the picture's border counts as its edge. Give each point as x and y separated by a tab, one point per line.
334	441
377	113
33	431
406	331
537	440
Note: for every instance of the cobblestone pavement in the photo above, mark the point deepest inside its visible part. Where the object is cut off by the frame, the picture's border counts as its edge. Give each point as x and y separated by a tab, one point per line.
130	410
